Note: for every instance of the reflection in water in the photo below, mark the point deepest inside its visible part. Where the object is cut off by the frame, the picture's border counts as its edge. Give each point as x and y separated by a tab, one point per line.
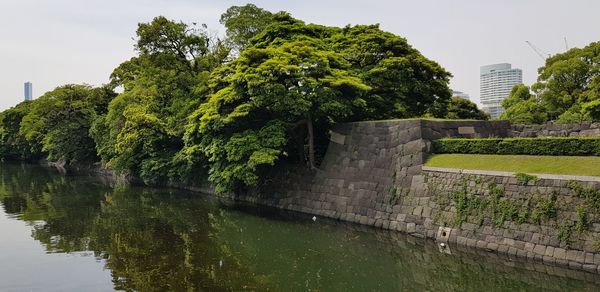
159	240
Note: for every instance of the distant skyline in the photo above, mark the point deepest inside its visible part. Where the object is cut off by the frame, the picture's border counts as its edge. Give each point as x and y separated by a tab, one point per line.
62	41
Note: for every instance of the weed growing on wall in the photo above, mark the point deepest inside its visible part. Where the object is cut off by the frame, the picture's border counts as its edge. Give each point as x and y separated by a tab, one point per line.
476	208
524	179
591	202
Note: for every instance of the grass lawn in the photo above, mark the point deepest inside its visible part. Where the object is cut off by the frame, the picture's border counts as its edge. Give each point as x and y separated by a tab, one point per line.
567	165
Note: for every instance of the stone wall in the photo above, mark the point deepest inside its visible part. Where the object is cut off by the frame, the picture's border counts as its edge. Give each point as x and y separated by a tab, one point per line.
539	218
372	174
585	129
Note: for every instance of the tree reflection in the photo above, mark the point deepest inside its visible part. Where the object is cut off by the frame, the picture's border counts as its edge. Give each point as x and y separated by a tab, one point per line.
60	209
151	240
157	241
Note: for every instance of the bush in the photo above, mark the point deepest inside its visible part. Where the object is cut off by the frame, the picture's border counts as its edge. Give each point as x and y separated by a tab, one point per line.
528	146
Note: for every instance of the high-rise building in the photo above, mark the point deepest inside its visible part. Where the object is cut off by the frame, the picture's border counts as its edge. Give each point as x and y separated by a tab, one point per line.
28	91
495	83
461	94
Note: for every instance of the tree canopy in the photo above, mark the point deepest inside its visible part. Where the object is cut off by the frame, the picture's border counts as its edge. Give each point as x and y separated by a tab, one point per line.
142	131
243	23
460	108
567	89
194	106
293	76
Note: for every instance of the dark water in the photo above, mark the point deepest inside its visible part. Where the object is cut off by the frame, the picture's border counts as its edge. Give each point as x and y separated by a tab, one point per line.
75	233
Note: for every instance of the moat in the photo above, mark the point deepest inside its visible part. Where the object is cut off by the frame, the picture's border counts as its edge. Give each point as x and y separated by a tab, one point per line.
80	233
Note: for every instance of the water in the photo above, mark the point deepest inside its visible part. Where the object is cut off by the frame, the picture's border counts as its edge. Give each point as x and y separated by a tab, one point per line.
77	233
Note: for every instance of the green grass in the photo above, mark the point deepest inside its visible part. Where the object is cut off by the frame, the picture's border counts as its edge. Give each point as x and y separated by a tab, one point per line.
567	165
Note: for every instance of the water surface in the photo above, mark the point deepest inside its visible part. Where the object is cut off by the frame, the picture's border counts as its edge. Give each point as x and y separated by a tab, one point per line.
78	233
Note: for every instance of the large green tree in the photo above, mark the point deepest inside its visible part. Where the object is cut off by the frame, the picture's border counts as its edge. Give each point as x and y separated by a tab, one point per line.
567	89
522	107
263	96
142	132
293	82
58	122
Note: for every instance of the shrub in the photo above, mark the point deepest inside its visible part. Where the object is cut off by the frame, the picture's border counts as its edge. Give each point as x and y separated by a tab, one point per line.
571	146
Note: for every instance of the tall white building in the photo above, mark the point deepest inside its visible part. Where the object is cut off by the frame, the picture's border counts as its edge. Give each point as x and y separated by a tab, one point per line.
495	83
28	91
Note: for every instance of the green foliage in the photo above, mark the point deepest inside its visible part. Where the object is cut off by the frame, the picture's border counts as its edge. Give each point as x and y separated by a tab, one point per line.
243	23
522	107
567	90
524	179
142	132
293	81
188	108
531	146
57	124
241	130
591	202
545	210
473	207
592	109
460	108
14	145
564	233
582	221
590	195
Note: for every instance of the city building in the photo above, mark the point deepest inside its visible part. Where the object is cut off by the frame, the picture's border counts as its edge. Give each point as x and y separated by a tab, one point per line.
461	94
495	83
28	91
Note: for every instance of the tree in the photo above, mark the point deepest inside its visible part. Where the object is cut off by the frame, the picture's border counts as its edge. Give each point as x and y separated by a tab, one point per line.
142	132
566	83
404	83
460	108
293	82
592	109
263	96
13	145
243	23
522	107
58	122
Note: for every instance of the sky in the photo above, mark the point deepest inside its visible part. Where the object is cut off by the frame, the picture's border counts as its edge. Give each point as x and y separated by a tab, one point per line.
52	43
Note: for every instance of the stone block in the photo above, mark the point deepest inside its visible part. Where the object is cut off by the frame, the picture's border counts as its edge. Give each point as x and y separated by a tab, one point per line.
503	249
529	246
481	244
560	253
539	249
590	268
466	130
589	258
492	246
548	260
418	210
410	227
549	251
572	255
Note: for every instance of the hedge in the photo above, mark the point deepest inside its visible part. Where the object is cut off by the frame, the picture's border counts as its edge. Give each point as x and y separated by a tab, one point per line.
570	146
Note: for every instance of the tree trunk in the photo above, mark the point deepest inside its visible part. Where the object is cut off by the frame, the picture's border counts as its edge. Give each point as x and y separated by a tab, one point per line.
311	141
300	146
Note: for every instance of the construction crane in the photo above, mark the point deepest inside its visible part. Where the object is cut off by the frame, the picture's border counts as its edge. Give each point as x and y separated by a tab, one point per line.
566	44
537	51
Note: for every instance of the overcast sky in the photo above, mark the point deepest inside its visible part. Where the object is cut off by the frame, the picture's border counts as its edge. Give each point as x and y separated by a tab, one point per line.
52	43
